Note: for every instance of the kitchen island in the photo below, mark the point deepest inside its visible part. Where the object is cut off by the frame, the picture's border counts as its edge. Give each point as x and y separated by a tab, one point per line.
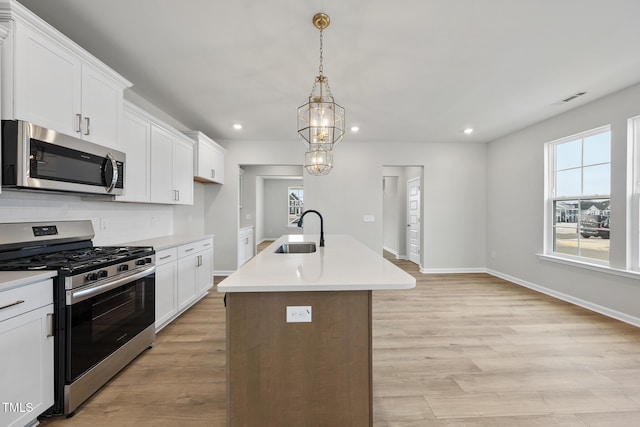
299	333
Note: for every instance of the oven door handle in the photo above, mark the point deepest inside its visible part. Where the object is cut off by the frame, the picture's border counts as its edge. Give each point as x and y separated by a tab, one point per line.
83	294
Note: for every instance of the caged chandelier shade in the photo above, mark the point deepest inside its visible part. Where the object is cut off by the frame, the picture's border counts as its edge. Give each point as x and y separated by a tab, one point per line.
321	119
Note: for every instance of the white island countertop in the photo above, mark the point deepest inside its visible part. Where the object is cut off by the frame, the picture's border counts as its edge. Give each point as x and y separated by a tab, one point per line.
344	264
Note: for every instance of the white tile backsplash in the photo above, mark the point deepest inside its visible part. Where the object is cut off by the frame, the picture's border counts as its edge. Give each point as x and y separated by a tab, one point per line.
113	222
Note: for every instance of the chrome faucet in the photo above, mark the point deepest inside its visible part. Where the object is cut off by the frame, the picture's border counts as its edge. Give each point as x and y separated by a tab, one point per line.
321	224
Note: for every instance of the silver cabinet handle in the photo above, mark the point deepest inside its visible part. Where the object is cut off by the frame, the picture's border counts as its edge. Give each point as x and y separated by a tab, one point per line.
51	325
114	173
207	244
189	250
199	261
87	125
178	193
213	173
20	301
165	257
79	123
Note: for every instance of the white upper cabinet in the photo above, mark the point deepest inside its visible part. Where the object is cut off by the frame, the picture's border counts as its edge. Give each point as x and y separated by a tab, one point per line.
102	107
136	142
208	159
52	82
171	167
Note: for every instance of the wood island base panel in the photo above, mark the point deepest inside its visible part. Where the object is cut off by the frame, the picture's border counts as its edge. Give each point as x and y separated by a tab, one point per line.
298	374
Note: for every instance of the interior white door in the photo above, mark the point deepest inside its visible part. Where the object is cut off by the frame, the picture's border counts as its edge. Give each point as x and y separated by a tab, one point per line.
413	220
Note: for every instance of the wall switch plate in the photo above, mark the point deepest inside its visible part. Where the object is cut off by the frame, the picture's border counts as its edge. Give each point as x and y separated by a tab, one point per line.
298	313
369	218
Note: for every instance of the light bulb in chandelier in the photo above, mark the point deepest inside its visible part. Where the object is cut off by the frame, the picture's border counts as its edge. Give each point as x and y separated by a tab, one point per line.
318	162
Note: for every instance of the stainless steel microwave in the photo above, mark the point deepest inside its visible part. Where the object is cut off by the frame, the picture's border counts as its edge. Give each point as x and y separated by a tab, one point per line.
37	158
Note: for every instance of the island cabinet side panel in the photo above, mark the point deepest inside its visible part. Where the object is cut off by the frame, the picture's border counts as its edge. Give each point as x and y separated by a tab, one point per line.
299	374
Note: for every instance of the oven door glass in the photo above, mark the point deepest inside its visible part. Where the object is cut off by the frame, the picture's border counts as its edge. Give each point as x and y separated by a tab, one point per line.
98	326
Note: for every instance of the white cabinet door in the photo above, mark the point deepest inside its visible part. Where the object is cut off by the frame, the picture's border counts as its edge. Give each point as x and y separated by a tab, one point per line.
47	82
205	272
166	293
136	143
217	164
162	190
205	155
183	172
102	103
187	280
26	366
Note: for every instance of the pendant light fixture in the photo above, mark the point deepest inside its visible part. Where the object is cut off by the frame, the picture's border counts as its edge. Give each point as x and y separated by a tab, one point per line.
321	120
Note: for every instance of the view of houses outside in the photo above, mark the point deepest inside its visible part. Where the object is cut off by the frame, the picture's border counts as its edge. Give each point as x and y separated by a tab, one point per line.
582	228
296	198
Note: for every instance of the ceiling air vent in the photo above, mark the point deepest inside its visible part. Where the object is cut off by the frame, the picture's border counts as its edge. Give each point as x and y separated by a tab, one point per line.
574	96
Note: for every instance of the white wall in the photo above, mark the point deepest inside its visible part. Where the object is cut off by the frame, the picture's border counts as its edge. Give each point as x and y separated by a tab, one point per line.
113	222
391	218
275	207
515	208
454	184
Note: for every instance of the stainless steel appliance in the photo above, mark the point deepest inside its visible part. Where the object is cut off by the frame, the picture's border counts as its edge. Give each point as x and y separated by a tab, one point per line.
37	158
104	301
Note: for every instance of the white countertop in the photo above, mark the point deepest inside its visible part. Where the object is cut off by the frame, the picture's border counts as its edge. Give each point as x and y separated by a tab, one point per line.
344	264
165	242
14	279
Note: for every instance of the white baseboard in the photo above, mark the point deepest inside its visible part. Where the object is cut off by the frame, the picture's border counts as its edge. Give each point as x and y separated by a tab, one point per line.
452	270
632	320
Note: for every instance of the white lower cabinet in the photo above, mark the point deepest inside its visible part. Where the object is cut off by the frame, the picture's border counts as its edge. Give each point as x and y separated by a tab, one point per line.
184	274
166	286
246	245
26	359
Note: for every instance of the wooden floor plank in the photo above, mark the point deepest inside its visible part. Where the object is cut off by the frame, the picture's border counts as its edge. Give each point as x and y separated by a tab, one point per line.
458	350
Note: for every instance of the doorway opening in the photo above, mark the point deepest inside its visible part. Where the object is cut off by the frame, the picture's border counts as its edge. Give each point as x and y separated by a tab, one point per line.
265	205
402	212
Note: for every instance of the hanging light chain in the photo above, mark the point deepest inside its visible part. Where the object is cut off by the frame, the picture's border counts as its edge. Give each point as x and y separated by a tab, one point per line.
320	68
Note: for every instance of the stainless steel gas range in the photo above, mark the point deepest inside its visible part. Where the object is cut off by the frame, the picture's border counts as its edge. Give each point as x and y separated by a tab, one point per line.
104	301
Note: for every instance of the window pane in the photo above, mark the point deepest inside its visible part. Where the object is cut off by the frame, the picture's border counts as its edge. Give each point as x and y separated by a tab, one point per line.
597	149
594	228
565	240
569	154
568	183
296	202
596	180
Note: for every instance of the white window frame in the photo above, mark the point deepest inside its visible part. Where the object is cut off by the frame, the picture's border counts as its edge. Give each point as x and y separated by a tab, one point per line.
549	197
633	242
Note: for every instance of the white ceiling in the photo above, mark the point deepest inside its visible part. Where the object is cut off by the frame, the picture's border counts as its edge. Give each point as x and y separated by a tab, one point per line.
405	70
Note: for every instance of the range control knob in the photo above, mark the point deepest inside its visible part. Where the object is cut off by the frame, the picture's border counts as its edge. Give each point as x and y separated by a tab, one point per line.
140	262
91	276
103	273
123	267
148	260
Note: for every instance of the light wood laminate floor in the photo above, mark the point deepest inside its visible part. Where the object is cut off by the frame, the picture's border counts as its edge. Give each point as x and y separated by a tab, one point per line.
458	350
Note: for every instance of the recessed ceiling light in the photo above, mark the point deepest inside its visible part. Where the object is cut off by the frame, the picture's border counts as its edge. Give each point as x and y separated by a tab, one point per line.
468	131
355	128
237	126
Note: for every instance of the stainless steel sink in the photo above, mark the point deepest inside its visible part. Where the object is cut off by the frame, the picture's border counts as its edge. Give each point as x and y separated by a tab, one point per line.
296	248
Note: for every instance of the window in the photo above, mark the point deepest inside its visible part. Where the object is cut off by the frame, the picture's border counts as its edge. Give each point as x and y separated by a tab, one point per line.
295	199
579	186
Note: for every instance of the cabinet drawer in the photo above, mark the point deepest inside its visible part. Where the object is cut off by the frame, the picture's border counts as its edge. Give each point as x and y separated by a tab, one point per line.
25	298
166	255
194	247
